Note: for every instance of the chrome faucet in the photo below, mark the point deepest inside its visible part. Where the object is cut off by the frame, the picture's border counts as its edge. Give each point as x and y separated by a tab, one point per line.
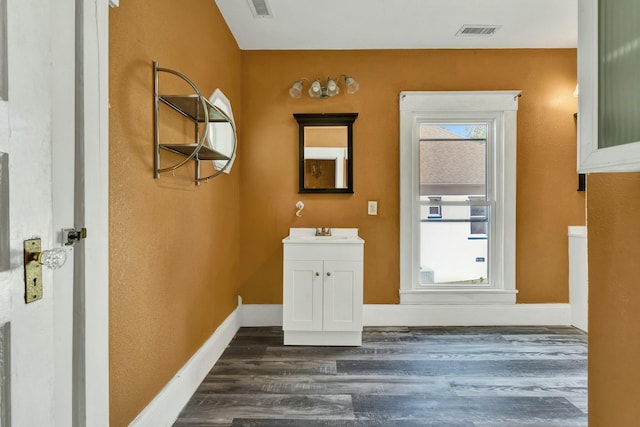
324	231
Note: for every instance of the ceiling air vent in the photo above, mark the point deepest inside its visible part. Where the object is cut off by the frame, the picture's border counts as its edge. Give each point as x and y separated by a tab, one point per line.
260	8
478	30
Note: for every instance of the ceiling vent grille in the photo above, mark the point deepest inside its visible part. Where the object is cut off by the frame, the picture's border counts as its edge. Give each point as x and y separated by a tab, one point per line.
477	30
260	8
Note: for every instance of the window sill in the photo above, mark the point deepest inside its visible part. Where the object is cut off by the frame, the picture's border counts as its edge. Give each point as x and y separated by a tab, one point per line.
457	296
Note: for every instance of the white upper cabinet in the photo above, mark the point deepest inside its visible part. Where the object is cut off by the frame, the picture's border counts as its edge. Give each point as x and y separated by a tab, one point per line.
608	107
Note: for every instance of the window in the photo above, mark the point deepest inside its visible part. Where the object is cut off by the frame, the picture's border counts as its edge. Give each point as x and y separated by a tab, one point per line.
457	197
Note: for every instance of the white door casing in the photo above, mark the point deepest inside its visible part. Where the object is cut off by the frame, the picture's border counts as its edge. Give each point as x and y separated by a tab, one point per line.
91	302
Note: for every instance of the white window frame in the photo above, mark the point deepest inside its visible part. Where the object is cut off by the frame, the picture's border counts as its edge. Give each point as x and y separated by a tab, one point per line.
498	108
621	158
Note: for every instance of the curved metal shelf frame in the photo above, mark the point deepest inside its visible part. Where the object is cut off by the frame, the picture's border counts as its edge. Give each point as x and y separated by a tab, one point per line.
198	109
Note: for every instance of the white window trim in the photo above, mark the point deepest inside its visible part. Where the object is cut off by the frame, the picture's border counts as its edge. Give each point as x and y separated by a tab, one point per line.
623	158
500	106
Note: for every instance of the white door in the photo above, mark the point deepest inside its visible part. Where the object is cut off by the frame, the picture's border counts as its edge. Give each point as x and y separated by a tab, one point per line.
55	103
342	296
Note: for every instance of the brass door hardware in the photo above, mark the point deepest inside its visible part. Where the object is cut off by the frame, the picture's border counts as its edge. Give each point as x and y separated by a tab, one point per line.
34	259
32	270
70	235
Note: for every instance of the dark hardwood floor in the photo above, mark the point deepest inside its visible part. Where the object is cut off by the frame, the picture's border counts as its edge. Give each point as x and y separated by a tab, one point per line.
400	377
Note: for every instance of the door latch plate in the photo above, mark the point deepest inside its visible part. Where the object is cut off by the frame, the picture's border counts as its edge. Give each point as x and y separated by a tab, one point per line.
70	235
32	271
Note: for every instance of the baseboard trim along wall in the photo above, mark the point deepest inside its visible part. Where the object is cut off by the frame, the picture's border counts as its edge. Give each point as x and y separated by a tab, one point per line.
433	315
166	406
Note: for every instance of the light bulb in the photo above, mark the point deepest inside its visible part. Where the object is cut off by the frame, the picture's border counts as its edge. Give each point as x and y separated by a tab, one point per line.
296	90
332	87
316	89
352	85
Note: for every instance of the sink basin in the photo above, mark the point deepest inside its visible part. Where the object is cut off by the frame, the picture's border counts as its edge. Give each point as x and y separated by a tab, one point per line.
332	237
308	235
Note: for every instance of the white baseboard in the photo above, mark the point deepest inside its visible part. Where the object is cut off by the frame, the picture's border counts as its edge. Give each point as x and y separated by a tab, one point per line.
467	315
432	315
261	315
166	406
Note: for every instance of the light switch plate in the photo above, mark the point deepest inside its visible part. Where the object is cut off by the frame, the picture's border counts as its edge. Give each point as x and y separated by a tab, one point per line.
372	207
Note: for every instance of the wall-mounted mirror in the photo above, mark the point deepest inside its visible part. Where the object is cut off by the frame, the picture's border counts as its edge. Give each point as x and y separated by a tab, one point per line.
326	152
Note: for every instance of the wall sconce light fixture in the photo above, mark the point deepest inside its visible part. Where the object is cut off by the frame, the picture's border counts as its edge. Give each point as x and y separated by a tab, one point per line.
319	90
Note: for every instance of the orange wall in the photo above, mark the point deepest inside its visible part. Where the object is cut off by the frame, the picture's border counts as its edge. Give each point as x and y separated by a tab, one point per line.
547	200
178	260
174	247
614	299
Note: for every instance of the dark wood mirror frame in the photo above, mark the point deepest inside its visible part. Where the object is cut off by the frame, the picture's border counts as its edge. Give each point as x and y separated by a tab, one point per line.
312	120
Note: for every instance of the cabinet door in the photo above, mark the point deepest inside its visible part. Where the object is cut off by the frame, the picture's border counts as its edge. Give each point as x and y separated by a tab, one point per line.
302	305
342	296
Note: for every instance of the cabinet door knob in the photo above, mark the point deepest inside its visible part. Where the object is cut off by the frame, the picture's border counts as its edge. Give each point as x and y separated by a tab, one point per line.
328	273
317	274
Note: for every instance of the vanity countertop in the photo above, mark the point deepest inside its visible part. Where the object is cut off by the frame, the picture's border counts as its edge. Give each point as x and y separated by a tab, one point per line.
308	235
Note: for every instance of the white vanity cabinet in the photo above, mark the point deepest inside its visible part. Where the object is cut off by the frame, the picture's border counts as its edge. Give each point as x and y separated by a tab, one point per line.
322	289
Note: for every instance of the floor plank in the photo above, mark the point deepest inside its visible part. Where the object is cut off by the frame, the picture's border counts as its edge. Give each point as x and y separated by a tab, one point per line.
522	376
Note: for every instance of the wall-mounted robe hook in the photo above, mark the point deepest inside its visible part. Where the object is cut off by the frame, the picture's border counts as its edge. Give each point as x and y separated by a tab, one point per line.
299	206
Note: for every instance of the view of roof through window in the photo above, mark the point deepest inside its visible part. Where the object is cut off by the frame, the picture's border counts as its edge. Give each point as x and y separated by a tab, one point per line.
453	159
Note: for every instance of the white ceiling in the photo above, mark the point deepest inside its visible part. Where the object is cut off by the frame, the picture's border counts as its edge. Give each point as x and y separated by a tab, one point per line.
402	24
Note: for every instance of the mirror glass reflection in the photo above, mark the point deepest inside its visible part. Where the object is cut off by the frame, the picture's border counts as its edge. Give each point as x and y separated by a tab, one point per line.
325	157
325	152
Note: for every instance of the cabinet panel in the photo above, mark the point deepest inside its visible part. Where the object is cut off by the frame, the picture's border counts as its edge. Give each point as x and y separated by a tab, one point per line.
302	308
342	296
326	251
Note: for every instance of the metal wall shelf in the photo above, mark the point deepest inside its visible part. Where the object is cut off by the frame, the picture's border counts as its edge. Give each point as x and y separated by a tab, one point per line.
205	153
198	109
